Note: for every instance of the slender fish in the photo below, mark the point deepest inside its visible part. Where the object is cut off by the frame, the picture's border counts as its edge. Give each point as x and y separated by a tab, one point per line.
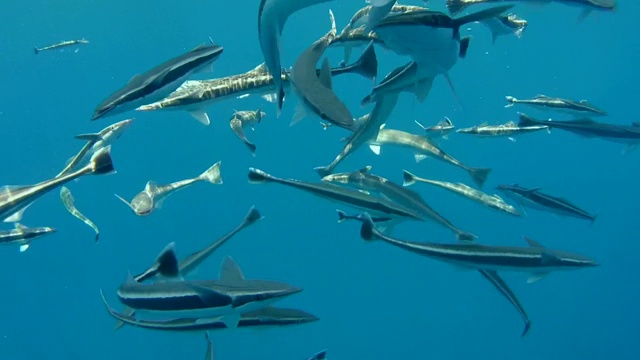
68	201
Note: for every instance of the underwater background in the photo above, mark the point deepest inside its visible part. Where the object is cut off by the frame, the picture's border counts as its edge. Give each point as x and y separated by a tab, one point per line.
374	301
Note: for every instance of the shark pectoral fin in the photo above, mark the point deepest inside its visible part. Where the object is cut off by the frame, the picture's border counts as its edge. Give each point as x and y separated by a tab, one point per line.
535	277
375	148
201	116
24	247
211	297
231	320
230	271
272	98
17	216
419	157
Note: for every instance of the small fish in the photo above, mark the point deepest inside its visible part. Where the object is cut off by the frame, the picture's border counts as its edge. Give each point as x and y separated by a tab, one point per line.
492	201
159	82
23	235
503	25
272	16
558	105
534	199
440	130
244	119
68	201
15	199
315	92
367	131
61	44
96	142
363	179
509	129
153	195
423	148
457	6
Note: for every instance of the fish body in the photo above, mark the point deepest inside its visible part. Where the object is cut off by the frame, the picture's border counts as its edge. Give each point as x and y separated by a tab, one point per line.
535	199
505	25
558	105
457	6
423	148
491	201
23	236
272	16
356	199
246	119
364	180
153	195
509	129
69	204
59	45
367	131
15	199
159	82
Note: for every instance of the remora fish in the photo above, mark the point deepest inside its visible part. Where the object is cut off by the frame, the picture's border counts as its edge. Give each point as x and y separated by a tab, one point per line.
367	131
509	129
505	25
431	38
402	79
272	15
15	199
96	142
313	90
559	105
534	199
159	82
195	95
626	134
364	180
424	148
23	235
491	275
440	130
535	259
153	195
68	201
228	297
60	45
357	199
244	119
264	317
457	6
492	201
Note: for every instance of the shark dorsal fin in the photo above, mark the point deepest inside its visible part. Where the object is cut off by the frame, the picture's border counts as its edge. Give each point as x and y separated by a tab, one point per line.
167	262
365	169
533	243
230	271
151	187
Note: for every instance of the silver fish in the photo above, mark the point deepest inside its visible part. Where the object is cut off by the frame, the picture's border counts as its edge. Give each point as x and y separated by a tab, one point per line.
492	201
68	201
59	45
440	130
153	195
558	105
509	129
23	235
246	119
15	199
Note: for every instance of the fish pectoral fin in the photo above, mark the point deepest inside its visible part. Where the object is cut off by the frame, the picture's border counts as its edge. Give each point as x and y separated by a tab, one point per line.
24	247
201	116
231	320
325	74
419	157
210	297
17	216
89	137
158	204
301	113
536	277
375	148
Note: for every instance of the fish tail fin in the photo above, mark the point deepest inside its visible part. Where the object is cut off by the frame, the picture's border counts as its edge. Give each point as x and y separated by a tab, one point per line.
479	175
366	100
101	162
323	170
342	216
465	236
252	147
478	16
257	176
167	262
527	326
408	178
252	216
367	64
510	101
526	120
36	50
325	125
368	230
212	174
456	6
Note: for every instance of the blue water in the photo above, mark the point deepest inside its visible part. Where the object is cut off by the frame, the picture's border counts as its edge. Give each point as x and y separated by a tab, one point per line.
374	301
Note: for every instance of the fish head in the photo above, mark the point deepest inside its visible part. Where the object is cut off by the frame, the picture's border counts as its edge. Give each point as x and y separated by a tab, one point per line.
261	293
114	131
142	204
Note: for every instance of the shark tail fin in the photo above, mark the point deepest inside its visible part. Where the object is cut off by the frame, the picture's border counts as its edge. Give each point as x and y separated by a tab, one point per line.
212	174
257	176
101	162
510	101
408	178
479	175
36	50
465	236
456	6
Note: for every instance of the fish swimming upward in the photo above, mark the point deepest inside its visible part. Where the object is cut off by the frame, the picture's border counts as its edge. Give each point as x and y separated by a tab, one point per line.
153	195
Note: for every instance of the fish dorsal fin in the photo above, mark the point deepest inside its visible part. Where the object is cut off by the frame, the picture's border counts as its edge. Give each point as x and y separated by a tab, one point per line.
230	271
532	243
365	169
135	79
20	226
151	187
167	262
483	124
446	121
325	74
260	69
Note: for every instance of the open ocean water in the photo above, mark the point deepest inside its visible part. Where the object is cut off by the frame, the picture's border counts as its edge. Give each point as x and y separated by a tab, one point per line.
374	301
